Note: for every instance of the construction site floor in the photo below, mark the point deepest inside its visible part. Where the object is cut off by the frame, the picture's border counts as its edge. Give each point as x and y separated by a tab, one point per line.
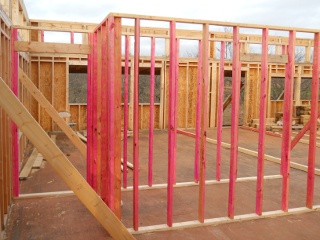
60	215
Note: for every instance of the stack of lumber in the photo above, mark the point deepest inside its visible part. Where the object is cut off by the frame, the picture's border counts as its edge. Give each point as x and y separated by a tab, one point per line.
34	162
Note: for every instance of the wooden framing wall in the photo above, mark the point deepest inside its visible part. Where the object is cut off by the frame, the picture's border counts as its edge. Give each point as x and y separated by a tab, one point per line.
11	148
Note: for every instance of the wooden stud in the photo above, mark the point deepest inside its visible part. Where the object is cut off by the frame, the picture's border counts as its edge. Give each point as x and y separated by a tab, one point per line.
204	121
172	121
220	110
136	126
313	121
151	120
198	115
125	110
14	128
262	121
61	164
105	192
89	115
287	122
236	81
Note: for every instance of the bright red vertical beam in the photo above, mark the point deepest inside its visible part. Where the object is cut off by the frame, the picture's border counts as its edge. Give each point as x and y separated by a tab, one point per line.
14	128
198	114
136	126
313	120
125	111
105	193
151	120
287	122
171	121
262	121
111	110
72	37
220	110
236	81
94	111
204	120
89	113
176	108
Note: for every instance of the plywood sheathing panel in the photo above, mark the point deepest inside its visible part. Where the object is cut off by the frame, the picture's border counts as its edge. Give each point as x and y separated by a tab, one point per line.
46	89
59	98
192	96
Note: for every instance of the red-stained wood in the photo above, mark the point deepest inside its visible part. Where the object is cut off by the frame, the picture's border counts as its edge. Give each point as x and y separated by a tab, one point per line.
94	113
220	110
125	110
14	128
262	121
236	81
172	121
105	191
204	122
151	120
313	121
89	114
136	126
198	115
287	123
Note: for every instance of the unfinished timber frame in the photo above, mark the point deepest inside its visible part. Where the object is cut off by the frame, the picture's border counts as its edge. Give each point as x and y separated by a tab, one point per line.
190	95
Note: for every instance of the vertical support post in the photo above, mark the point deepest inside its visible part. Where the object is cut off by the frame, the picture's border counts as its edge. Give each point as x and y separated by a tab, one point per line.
172	121
313	120
89	113
136	126
151	120
220	110
287	122
125	110
94	111
105	192
14	128
236	81
42	35
262	121
72	37
198	115
204	121
176	108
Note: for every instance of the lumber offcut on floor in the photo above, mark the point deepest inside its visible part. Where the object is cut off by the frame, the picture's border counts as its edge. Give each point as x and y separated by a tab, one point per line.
62	216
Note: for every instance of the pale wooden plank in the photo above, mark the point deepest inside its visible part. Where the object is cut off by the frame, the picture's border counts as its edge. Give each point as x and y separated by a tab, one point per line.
44	47
69	174
83	138
38	161
24	174
256	57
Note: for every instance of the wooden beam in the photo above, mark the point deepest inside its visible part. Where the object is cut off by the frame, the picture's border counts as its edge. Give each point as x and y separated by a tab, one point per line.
61	164
256	57
44	47
25	80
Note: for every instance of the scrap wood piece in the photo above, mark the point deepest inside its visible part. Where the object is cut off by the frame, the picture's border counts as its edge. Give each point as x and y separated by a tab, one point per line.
38	161
24	174
83	138
129	164
59	162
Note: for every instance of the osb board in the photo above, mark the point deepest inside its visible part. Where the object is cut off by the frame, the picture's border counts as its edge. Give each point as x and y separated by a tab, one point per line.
33	102
83	117
60	81
192	96
182	93
46	89
252	93
144	116
74	111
